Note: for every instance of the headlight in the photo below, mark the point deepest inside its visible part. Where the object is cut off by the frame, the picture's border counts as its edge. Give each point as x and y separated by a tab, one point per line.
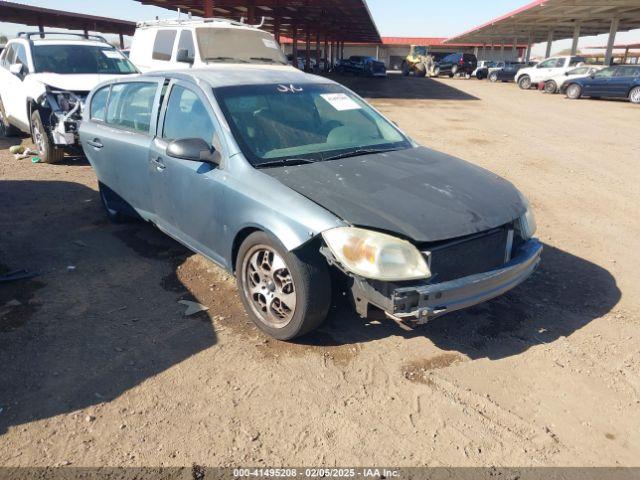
376	255
66	100
527	223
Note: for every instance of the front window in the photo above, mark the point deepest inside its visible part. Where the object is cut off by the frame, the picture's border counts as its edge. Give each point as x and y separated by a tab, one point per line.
238	45
186	117
80	59
304	122
579	71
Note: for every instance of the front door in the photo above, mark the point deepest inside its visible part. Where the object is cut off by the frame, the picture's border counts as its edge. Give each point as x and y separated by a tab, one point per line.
187	195
598	85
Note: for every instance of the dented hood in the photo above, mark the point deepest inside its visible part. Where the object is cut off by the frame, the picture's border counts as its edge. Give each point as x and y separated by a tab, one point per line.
417	193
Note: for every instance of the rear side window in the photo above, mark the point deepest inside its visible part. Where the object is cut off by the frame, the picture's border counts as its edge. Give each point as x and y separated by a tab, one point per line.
131	105
186	117
163	46
99	104
627	71
186	43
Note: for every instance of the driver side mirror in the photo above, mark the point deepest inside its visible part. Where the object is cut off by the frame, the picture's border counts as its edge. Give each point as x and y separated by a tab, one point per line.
192	149
184	57
16	68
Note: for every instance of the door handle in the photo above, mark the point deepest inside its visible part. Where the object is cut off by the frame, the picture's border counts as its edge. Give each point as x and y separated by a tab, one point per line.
157	162
95	143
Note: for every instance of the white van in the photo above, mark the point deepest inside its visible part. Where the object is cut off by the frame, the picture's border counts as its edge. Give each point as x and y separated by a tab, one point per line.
176	44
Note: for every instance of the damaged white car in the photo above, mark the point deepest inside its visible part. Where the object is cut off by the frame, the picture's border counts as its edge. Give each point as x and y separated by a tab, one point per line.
44	80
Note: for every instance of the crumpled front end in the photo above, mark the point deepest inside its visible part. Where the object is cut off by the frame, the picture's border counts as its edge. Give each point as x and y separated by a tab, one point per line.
61	112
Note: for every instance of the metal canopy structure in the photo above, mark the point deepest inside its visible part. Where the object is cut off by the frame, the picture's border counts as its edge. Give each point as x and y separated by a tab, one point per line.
47	17
549	20
342	20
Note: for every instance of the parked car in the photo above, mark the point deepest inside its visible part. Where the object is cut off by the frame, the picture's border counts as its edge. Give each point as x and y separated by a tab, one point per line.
44	82
457	64
362	66
281	177
176	44
482	71
555	83
622	81
507	73
551	67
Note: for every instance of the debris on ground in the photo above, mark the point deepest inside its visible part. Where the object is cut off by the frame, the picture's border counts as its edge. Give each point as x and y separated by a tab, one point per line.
35	160
17	275
22	152
193	307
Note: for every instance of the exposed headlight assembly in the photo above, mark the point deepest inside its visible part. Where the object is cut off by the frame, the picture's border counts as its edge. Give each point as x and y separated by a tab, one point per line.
526	224
375	255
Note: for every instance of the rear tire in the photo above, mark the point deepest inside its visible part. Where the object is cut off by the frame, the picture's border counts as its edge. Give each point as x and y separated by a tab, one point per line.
550	86
574	91
524	82
286	294
6	129
634	96
47	151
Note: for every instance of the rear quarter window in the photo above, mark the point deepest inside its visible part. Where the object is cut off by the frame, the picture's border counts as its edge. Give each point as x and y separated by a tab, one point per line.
99	104
163	45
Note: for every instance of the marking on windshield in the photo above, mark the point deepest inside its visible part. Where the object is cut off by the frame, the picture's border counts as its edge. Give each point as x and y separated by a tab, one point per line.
289	89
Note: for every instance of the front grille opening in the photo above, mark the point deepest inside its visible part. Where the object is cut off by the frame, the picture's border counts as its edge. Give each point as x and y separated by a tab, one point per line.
470	255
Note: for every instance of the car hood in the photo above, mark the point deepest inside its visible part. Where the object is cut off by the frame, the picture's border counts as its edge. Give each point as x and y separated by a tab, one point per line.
417	193
72	82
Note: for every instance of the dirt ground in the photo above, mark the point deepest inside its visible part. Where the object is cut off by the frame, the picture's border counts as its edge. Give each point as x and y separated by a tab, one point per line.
99	366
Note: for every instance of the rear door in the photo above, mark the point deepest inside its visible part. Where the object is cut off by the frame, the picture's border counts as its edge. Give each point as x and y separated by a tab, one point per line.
187	195
621	81
119	141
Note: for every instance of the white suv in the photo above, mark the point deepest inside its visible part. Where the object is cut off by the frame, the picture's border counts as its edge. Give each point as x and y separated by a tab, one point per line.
178	44
44	80
546	69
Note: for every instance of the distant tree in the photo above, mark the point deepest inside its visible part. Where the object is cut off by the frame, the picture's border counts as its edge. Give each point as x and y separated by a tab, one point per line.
3	39
567	51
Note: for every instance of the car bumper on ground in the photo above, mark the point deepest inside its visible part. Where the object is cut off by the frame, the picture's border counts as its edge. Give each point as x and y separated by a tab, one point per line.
425	302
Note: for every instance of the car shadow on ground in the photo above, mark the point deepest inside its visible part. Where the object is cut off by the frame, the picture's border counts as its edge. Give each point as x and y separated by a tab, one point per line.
73	338
395	86
565	294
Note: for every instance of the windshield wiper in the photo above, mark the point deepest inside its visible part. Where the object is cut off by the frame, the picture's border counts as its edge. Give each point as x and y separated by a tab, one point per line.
286	162
267	59
224	59
359	152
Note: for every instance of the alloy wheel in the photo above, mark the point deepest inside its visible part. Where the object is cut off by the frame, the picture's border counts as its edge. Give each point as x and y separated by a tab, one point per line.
269	286
574	92
38	137
634	96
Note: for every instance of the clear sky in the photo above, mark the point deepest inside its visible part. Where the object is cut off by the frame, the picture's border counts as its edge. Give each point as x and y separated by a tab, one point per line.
420	18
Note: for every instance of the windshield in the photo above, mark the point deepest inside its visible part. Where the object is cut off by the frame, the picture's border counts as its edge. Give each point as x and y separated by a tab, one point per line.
421	51
307	122
236	45
80	59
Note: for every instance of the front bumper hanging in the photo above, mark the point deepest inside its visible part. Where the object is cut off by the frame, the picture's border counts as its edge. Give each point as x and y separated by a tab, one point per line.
425	302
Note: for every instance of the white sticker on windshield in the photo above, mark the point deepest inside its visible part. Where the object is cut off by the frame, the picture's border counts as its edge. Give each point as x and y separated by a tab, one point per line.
112	54
270	43
340	101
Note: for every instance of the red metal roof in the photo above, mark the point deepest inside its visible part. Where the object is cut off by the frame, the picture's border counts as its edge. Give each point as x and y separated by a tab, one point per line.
34	16
538	18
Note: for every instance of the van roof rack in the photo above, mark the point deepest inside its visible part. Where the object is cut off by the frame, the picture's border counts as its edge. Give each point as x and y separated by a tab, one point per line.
191	21
28	35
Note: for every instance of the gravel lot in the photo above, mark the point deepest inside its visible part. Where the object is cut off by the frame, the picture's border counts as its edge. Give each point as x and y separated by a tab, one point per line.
100	366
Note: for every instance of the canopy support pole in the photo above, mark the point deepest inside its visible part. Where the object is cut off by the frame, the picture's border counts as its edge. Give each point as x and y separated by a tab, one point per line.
612	40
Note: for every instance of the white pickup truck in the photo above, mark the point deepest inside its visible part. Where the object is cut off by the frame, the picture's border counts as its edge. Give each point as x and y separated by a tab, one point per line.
549	68
44	80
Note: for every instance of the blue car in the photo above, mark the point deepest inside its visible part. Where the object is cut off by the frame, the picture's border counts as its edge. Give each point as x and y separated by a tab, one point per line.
293	183
622	81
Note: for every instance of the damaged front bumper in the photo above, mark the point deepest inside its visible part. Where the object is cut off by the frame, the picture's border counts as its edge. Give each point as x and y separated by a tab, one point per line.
422	303
61	112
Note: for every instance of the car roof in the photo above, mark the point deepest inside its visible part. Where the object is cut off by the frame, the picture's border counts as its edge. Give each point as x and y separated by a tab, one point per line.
228	75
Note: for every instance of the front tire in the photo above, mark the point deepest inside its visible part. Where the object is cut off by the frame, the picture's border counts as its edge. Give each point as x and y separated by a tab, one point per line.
47	151
405	69
574	91
286	294
421	70
634	96
524	82
550	86
493	78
